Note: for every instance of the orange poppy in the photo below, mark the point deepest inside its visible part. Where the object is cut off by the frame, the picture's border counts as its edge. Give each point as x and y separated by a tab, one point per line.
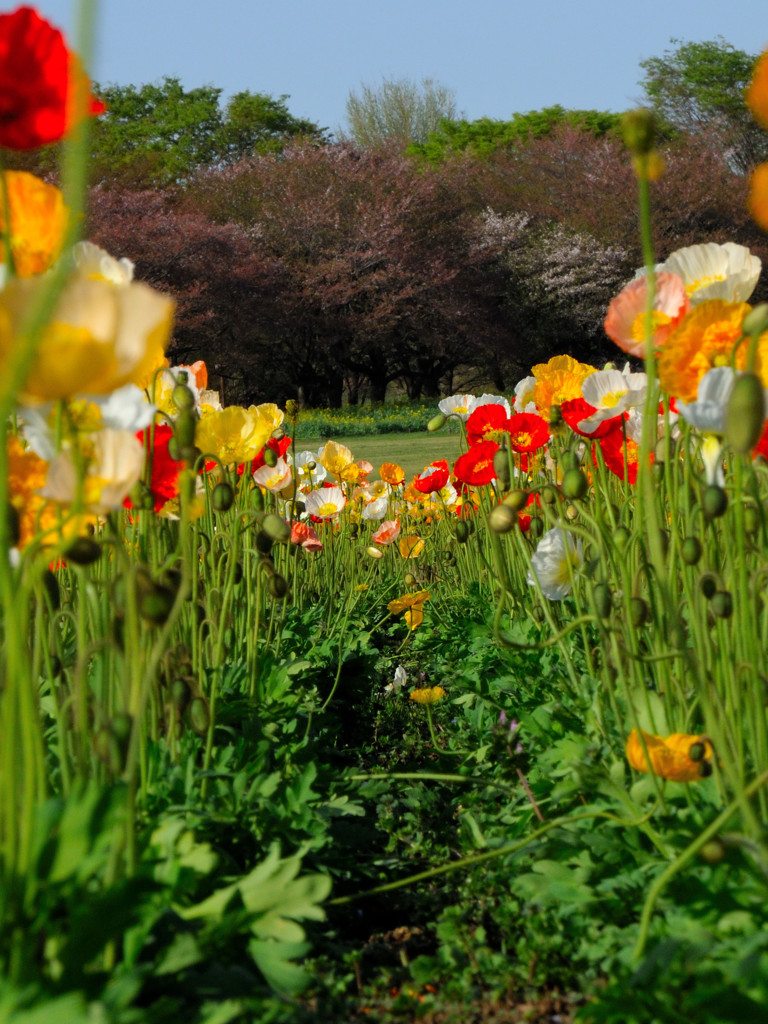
670	756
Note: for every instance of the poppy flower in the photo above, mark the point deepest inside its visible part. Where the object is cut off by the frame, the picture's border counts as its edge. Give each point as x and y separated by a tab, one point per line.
487	423
164	478
555	562
304	534
325	503
456	405
38	219
713	271
411	546
575	411
433	477
99	336
388	532
40	82
626	320
527	432
706	338
475	467
670	756
621	464
427	694
557	381
391	473
411	606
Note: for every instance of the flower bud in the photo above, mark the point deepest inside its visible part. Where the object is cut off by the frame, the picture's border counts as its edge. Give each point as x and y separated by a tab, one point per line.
174	449
601	595
223	496
708	585
199	715
756	320
697	751
536	528
502	519
713	851
278	434
184	428
437	423
277	528
270	457
51	588
621	538
745	413
155	605
277	587
638	129
638	611
501	467
462	531
181	694
374	552
752	520
83	551
691	550
263	543
516	500
575	484
714	502
722	604
182	397
549	494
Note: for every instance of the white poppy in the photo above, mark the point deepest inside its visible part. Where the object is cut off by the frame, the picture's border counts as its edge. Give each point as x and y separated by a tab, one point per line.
553	564
456	405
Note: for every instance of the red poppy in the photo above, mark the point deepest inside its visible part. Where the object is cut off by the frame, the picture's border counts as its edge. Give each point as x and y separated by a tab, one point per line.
433	477
527	432
523	518
612	447
475	467
576	410
487	423
39	82
164	481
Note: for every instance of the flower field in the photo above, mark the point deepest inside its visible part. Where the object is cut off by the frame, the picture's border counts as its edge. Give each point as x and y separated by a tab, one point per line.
288	736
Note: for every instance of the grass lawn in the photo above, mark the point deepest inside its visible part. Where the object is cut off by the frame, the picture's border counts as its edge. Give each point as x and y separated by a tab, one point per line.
411	451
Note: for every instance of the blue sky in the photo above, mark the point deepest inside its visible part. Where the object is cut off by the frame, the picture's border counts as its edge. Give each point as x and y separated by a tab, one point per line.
499	56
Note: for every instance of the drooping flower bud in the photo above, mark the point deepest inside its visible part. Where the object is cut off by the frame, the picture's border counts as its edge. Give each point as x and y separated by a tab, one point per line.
745	413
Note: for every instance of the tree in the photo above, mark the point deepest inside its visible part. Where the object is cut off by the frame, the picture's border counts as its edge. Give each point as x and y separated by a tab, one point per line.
399	110
160	134
700	86
258	123
484	137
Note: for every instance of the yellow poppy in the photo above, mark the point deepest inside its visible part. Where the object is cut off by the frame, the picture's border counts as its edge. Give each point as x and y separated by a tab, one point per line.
558	381
99	336
38	222
410	547
234	434
670	756
427	694
399	604
337	459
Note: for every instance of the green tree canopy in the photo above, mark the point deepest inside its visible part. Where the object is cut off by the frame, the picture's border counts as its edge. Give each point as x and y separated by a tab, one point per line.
161	133
700	87
485	136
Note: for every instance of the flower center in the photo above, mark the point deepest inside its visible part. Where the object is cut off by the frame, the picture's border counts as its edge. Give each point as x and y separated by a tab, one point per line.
702	282
658	319
328	508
